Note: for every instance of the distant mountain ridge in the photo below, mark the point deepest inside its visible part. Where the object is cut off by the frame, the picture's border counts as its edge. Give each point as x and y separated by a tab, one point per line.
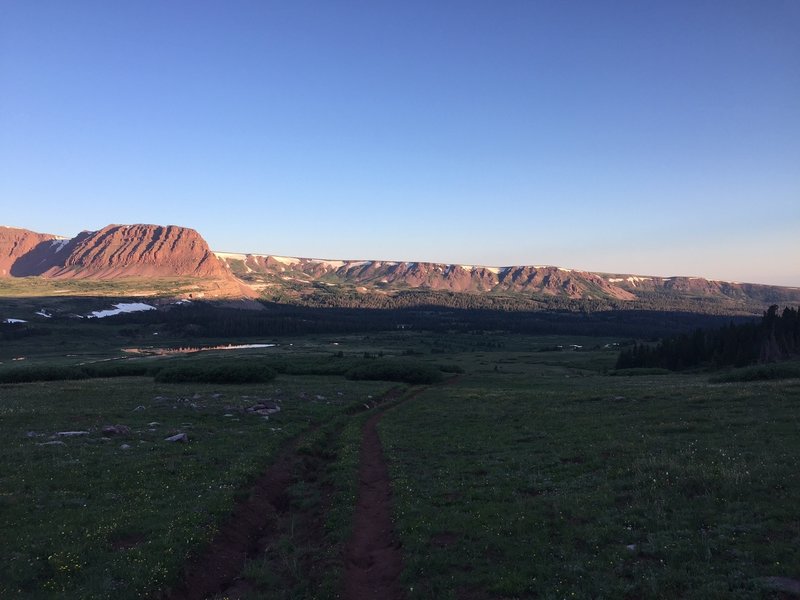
547	281
154	251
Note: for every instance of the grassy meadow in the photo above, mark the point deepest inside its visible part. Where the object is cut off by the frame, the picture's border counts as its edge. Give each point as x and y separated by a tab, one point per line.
537	472
547	479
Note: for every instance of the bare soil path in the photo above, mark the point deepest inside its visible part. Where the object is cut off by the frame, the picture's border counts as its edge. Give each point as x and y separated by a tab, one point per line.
373	559
253	520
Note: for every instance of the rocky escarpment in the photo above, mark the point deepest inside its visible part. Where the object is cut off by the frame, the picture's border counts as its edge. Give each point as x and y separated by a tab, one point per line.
23	252
134	253
145	252
270	271
544	280
138	251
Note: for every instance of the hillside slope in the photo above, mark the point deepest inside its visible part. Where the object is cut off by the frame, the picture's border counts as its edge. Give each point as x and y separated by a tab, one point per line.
122	252
302	274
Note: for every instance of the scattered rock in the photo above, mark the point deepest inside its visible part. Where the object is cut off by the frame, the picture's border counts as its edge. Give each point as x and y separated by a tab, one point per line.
154	424
216	396
264	408
227	415
116	430
55	443
72	433
321	398
631	547
782	584
125	447
197	397
33	434
178	437
618	398
138	408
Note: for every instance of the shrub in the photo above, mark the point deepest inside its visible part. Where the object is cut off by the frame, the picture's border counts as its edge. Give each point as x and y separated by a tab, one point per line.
760	373
42	373
404	372
120	368
216	373
636	372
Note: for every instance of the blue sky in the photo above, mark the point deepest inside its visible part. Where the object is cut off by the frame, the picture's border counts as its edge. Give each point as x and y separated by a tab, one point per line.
645	137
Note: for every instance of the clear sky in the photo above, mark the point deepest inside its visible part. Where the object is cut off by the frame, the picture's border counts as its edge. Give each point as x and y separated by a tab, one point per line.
654	137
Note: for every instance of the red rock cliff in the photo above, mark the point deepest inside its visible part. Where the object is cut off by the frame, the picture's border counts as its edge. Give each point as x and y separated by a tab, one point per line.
139	251
16	243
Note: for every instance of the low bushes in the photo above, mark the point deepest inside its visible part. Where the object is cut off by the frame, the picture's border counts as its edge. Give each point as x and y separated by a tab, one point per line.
229	372
403	372
236	371
788	370
42	373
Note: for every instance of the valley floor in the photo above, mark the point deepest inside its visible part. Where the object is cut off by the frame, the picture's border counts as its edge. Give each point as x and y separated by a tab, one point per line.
534	473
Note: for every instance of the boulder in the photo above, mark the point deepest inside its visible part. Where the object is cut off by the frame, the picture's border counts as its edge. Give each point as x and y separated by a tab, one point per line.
116	430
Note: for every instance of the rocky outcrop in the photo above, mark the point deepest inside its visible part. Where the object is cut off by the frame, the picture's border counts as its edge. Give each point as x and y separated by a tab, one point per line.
550	281
139	251
23	251
387	276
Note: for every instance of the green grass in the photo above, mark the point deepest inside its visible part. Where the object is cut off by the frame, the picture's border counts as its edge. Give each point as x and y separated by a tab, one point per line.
782	370
533	475
90	519
403	371
546	482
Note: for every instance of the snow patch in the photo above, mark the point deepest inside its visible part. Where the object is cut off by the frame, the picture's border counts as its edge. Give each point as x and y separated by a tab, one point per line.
123	307
43	313
615	279
230	256
58	244
333	264
286	260
14	321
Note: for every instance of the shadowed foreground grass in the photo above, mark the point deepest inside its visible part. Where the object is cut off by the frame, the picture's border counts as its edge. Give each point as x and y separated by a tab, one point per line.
115	516
536	483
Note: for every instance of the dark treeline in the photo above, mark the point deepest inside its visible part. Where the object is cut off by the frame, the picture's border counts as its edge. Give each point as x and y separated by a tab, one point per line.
659	301
775	337
219	321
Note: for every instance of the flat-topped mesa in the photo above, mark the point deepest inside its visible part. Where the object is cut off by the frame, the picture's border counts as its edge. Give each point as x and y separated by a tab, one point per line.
544	280
118	251
16	243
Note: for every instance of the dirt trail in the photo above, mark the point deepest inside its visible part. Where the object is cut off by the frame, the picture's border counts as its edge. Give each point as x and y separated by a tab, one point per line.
240	537
373	560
